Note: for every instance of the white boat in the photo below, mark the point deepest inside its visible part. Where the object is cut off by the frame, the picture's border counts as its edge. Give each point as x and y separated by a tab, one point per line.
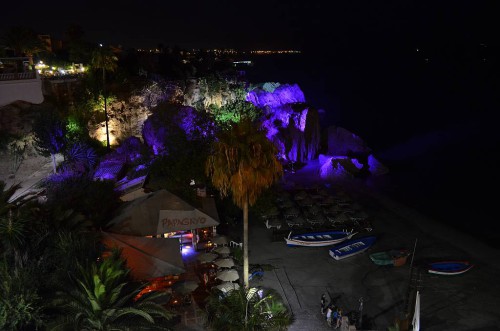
315	239
351	247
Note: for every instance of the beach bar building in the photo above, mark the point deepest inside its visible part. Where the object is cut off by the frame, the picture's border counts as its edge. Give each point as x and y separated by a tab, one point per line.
162	214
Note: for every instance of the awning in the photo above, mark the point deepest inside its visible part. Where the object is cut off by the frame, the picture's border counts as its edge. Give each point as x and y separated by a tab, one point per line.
147	257
160	212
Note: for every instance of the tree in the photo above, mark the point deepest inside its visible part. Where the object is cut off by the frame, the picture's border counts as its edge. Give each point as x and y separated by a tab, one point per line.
244	163
96	200
103	298
104	59
50	135
245	309
24	41
233	111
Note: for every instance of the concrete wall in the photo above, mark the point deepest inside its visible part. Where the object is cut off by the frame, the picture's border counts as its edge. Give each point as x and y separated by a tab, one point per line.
29	90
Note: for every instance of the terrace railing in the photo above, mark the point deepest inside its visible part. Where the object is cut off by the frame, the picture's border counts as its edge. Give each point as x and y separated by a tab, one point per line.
18	75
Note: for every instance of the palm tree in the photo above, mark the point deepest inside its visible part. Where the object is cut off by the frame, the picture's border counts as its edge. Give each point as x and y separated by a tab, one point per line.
103	299
24	41
243	163
244	309
103	58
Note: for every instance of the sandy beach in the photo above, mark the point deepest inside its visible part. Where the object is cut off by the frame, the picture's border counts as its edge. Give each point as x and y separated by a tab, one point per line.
464	302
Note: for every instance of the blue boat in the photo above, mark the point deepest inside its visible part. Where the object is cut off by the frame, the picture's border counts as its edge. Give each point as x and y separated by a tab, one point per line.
351	247
314	239
449	268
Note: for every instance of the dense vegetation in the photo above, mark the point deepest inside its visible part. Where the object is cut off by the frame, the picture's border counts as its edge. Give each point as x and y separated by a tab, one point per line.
52	271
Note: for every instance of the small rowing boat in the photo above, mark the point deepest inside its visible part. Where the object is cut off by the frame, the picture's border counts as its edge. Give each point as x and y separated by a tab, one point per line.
449	268
394	257
351	247
315	239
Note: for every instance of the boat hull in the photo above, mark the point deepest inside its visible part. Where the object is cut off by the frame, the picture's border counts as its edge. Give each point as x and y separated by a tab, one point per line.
449	268
302	240
351	248
395	258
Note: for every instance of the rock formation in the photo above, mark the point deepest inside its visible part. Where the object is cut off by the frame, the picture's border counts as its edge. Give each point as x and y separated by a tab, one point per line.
291	124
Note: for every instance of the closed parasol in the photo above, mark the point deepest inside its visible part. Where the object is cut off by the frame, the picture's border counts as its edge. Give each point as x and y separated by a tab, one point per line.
207	257
222	250
220	240
229	275
224	263
227	286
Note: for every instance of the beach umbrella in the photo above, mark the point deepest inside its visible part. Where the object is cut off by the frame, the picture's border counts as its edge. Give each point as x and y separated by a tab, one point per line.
222	250
287	203
328	200
291	212
185	287
282	196
301	195
416	315
272	211
220	240
295	221
342	218
227	286
359	215
307	201
207	257
225	263
229	275
273	222
315	209
333	210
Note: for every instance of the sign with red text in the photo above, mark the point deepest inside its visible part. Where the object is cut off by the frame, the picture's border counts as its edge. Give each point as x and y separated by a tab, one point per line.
182	220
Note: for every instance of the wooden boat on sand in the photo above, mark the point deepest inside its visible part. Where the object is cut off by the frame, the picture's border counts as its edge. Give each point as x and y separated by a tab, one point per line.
351	247
315	239
449	268
394	257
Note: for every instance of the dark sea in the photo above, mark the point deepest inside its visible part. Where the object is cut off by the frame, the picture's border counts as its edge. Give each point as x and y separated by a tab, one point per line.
432	122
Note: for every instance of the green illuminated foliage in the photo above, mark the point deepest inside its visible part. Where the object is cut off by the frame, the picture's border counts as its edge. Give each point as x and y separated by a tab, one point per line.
102	297
233	112
244	309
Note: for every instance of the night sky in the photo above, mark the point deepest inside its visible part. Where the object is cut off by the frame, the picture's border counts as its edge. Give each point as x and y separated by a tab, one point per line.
343	26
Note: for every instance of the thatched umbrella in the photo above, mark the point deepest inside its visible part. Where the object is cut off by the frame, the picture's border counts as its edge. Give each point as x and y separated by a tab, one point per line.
296	221
287	203
290	212
301	195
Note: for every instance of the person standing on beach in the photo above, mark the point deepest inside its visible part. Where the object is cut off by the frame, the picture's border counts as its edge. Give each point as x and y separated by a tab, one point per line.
338	314
329	312
323	303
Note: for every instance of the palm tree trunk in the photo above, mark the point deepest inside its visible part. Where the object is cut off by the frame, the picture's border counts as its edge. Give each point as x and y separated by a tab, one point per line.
245	244
54	165
105	106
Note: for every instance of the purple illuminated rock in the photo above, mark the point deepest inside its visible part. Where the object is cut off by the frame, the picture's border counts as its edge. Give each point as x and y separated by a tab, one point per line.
282	95
345	143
